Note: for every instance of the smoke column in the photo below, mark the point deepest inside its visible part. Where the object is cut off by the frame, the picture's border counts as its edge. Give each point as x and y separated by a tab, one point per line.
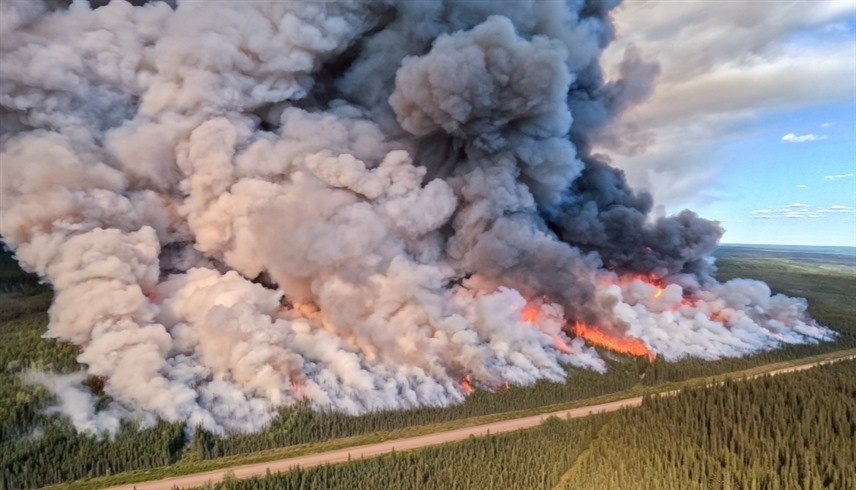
356	205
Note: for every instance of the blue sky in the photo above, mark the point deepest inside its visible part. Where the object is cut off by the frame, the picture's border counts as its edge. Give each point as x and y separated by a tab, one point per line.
801	192
752	121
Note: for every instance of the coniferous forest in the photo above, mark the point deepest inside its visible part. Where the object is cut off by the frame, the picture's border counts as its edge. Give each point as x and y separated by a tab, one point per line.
792	431
784	432
39	447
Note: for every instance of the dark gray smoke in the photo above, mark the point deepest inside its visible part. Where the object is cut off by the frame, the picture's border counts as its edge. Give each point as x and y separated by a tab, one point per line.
245	205
602	214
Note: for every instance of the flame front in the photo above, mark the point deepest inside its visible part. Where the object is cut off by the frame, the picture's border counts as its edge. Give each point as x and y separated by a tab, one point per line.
655	281
624	345
531	315
531	312
296	387
467	385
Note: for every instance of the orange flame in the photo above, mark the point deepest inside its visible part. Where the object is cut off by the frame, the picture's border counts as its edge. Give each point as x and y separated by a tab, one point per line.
659	284
652	280
467	385
720	317
649	278
296	386
625	345
506	385
531	312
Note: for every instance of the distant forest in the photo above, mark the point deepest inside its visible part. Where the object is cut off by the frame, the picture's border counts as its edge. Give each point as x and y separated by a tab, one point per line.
790	431
38	447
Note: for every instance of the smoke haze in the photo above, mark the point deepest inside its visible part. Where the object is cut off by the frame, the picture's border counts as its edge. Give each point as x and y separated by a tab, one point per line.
356	204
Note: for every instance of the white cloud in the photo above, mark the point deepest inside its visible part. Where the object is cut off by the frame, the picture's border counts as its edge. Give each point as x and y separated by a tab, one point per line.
838	27
838	208
722	67
799	210
803	138
838	177
801	186
792	213
827	125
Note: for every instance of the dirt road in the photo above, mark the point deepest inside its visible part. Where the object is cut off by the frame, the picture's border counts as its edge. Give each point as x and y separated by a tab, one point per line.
369	450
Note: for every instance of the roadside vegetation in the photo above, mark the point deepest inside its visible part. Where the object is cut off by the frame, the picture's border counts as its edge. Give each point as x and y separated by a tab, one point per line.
38	447
790	431
527	459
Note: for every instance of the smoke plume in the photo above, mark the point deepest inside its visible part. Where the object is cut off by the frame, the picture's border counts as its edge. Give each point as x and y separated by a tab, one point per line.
357	205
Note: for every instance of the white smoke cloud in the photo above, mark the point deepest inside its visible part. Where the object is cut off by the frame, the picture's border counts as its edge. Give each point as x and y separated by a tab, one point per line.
725	320
247	205
76	402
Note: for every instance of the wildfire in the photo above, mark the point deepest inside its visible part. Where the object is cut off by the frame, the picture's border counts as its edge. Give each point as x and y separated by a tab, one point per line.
467	385
531	312
296	387
531	315
720	317
560	345
650	279
625	345
506	385
658	283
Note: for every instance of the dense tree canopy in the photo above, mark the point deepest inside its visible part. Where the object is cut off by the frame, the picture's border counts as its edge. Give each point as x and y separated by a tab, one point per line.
39	447
790	431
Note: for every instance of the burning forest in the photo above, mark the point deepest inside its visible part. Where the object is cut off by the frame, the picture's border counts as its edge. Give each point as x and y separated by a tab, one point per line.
359	205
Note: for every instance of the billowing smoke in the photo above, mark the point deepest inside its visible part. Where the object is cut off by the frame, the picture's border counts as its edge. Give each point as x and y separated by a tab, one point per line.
356	204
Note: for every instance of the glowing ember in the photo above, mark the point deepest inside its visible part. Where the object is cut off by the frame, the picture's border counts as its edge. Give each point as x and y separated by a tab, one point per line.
654	281
625	345
720	317
650	279
530	313
467	385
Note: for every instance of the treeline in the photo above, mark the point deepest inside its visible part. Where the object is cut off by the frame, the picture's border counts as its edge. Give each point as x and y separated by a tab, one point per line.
20	293
298	426
828	286
57	454
529	459
829	293
660	371
39	447
790	431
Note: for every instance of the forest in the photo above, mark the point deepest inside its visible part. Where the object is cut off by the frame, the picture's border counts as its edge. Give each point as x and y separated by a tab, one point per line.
38	447
795	430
